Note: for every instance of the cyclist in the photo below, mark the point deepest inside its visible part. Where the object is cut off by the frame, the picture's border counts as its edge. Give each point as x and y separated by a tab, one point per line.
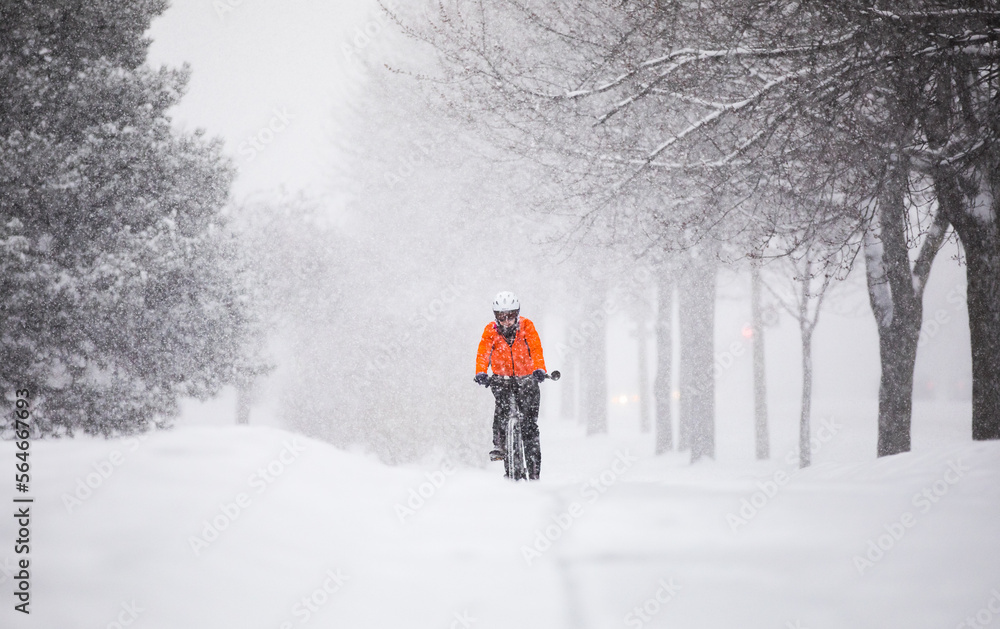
510	345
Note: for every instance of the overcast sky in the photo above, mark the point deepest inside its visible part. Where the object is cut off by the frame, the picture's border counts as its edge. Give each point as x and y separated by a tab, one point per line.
266	69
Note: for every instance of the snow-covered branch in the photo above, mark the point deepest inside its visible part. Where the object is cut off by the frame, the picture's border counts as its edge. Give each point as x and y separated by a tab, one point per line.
728	109
682	57
931	14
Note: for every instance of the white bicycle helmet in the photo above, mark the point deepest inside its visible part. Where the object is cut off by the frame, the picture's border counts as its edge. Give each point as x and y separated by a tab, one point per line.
505	301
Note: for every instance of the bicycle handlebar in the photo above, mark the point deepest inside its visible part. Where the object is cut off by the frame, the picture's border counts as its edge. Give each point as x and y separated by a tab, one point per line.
555	375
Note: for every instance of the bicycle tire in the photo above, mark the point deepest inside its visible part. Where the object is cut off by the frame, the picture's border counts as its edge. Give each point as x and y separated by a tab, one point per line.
516	461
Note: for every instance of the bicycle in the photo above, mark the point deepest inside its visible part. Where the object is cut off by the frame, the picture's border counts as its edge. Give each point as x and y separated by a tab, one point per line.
516	455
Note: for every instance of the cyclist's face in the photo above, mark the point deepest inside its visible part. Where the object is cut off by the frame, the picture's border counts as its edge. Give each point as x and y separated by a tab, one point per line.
506	318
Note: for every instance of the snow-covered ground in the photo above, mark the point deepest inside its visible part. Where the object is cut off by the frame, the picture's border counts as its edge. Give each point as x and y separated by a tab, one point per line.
228	527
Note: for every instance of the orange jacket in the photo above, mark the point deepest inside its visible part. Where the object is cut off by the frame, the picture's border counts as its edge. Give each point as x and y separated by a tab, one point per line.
520	358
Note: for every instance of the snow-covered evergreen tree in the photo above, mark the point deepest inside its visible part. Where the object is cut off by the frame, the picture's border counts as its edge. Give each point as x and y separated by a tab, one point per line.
117	297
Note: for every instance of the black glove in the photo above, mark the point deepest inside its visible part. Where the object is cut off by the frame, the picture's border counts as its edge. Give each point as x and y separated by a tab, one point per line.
539	375
482	379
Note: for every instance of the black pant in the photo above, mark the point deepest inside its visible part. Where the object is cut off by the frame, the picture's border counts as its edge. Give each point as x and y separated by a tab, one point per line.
527	397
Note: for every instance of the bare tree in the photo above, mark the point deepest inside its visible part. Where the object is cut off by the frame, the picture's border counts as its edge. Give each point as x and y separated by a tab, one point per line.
762	443
958	116
896	289
663	384
719	100
810	276
696	293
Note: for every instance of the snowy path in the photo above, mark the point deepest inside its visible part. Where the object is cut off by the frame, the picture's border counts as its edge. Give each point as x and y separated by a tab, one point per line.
659	528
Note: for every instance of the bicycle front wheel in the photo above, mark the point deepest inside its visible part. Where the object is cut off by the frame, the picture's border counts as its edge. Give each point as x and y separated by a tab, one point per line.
517	460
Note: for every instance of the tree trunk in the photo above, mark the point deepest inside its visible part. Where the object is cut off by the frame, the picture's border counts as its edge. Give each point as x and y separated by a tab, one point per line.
642	340
594	358
569	385
983	278
898	309
977	223
696	300
805	450
663	394
244	391
761	437
898	350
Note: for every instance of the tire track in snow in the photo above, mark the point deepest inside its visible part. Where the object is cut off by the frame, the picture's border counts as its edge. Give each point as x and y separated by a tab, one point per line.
575	618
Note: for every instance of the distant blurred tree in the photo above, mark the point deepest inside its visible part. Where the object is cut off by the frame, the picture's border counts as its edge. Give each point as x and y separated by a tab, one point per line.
295	265
801	284
117	296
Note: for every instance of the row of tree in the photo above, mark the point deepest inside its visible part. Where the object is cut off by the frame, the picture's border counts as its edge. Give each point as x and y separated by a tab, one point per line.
677	134
815	131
